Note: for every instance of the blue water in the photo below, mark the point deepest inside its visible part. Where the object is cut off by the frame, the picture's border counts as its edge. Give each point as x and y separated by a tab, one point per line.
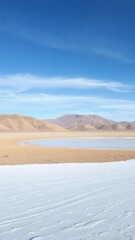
93	143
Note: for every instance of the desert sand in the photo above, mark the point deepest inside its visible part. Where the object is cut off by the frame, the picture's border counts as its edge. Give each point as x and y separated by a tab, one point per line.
13	153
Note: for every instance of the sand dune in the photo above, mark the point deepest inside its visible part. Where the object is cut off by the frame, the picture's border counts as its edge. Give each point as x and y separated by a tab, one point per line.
20	123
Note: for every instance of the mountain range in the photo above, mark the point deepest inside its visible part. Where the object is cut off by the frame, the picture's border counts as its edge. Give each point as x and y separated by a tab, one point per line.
70	122
89	122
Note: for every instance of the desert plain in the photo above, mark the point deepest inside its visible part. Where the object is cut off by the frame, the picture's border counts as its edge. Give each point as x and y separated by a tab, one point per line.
14	152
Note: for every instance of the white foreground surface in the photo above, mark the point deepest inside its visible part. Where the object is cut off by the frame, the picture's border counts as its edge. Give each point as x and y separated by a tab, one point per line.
68	202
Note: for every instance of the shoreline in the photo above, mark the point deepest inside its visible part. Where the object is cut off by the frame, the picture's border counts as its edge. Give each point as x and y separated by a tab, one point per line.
12	153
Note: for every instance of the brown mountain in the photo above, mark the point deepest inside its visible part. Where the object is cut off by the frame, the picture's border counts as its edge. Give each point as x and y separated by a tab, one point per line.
91	122
20	123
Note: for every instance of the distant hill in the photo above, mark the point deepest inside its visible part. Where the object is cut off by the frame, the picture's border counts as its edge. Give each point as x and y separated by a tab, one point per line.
91	123
72	122
20	123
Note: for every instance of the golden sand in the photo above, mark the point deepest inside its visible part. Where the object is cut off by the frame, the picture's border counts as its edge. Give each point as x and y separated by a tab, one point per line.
12	153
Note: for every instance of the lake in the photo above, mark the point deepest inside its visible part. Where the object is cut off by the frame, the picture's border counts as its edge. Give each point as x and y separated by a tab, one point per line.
91	143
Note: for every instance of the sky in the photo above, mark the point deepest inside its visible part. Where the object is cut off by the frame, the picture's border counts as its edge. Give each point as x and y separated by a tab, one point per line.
68	57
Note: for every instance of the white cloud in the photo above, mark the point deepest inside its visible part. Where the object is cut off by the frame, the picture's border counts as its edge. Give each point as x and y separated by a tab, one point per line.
52	105
14	97
23	82
113	55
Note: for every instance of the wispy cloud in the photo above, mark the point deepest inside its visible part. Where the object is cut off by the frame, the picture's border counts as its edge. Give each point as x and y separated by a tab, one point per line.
46	40
15	97
47	106
113	55
23	82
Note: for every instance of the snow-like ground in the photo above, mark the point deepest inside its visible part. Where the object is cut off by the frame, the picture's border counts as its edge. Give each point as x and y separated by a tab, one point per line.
68	202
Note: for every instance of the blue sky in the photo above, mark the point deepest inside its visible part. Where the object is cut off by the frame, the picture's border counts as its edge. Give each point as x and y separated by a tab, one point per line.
61	56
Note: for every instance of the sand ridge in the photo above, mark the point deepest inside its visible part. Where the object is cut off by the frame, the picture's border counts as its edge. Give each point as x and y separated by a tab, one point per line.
12	153
21	123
